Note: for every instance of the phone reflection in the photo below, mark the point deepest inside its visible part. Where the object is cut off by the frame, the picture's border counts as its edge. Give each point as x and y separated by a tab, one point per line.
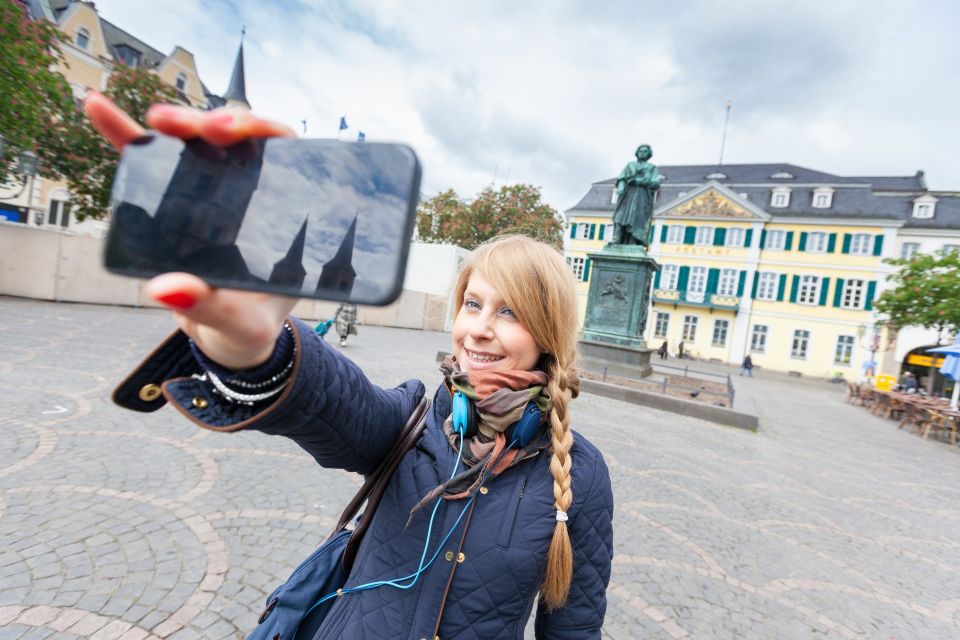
311	218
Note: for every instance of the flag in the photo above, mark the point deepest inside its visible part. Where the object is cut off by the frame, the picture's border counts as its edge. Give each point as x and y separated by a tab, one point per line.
361	137
343	122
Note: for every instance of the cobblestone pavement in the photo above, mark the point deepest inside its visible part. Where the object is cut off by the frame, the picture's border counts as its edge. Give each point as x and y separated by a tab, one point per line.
828	522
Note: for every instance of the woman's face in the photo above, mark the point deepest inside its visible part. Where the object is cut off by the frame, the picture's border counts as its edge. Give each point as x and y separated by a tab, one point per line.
486	334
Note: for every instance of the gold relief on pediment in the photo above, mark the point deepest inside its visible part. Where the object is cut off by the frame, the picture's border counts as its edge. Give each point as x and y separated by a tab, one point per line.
710	205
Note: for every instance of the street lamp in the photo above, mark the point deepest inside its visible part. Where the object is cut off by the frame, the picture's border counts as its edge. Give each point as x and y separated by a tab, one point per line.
873	346
27	166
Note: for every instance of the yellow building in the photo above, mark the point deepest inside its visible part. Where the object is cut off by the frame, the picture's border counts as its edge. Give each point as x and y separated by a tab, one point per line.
776	261
93	49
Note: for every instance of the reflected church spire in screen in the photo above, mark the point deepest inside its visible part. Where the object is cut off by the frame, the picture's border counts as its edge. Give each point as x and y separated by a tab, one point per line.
289	270
338	273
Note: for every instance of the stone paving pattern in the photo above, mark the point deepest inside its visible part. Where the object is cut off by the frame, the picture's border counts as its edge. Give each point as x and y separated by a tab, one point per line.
828	522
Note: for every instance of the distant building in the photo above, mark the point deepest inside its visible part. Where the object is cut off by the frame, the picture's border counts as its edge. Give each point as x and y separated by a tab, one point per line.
775	260
94	49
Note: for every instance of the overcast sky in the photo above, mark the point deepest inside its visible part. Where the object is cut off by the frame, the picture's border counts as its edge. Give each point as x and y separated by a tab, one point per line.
558	94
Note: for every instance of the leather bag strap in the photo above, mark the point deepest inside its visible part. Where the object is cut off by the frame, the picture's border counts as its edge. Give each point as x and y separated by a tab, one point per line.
376	483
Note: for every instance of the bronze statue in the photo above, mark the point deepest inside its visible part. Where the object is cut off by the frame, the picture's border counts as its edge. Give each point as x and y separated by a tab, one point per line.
637	187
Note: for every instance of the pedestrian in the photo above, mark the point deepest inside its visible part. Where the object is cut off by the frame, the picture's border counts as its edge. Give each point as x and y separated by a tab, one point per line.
662	351
538	516
346	320
680	350
909	382
747	366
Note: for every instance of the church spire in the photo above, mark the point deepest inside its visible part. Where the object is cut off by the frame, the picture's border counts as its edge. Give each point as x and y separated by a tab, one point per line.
289	270
338	274
236	95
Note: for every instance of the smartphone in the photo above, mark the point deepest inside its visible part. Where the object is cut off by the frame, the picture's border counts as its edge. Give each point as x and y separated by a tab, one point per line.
305	218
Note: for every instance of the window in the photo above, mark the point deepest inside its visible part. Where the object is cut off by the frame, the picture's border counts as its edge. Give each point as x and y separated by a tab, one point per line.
576	265
690	328
735	236
698	280
613	196
128	55
83	38
822	198
801	340
809	290
583	231
608	233
853	294
704	235
951	248
758	338
675	234
908	249
776	240
782	175
767	286
58	213
720	332
668	277
924	207
817	242
661	326
844	350
181	81
728	282
716	175
780	198
861	244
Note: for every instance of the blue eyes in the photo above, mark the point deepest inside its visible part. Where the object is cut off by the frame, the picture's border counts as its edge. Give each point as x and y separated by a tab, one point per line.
470	303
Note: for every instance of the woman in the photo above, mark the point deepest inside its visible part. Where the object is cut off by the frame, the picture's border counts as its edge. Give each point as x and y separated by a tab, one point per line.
346	320
540	522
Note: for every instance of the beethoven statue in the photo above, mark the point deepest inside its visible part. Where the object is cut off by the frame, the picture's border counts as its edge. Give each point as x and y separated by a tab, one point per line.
637	187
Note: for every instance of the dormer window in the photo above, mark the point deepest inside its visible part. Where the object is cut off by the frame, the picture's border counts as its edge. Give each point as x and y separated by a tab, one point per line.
924	207
780	198
782	175
128	55
83	38
613	196
822	198
181	82
716	175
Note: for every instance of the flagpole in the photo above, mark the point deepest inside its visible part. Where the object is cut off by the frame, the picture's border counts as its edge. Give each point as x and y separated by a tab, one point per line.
723	140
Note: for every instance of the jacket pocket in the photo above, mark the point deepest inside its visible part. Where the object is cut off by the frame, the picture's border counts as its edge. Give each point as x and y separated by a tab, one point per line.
510	515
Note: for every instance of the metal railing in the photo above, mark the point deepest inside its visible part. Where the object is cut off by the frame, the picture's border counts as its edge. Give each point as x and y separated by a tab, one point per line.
694	390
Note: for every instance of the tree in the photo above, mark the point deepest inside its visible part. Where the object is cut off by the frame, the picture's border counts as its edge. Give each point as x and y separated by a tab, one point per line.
515	208
925	293
76	152
32	95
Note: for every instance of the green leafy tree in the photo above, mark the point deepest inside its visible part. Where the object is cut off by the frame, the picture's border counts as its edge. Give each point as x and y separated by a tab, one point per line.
32	95
76	152
516	208
925	292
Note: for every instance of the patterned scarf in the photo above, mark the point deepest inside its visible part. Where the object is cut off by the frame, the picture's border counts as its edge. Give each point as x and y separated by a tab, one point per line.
500	398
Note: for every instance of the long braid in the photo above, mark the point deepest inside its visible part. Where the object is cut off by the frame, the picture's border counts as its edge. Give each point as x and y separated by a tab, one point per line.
556	585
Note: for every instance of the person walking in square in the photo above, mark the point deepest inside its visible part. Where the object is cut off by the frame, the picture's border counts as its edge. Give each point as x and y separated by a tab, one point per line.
346	320
747	366
662	351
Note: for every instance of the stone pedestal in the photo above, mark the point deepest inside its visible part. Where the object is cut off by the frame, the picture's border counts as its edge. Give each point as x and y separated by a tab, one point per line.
617	305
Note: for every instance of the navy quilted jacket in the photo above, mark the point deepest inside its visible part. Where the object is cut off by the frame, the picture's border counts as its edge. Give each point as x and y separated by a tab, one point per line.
484	583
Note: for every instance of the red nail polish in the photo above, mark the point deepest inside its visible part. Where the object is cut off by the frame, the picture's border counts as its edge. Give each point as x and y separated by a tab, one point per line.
178	299
221	118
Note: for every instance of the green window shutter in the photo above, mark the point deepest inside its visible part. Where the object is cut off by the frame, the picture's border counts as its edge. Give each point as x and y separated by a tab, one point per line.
824	288
788	245
782	287
763	238
689	235
719	237
795	288
649	237
573	230
742	283
656	279
756	283
602	228
802	245
682	277
748	239
838	293
846	243
663	233
593	231
713	279
871	292
586	270
877	245
832	243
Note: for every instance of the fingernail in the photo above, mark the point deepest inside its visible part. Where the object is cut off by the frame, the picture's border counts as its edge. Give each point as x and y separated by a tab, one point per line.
221	118
178	299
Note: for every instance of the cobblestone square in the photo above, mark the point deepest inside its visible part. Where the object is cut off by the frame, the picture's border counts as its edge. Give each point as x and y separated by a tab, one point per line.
827	522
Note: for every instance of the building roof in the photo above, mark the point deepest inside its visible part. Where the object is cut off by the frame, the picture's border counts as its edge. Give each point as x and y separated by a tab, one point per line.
866	197
236	94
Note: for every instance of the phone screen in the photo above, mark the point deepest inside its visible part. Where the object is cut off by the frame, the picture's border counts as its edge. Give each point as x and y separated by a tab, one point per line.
306	218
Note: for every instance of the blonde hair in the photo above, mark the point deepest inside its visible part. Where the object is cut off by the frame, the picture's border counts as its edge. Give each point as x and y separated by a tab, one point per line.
536	284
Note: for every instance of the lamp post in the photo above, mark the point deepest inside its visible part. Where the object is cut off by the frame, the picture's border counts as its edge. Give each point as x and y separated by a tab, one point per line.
27	166
872	344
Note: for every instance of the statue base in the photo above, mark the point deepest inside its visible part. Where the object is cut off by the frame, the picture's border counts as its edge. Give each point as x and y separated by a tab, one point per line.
617	305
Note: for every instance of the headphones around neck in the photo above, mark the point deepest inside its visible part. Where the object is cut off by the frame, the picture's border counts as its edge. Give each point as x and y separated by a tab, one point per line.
520	433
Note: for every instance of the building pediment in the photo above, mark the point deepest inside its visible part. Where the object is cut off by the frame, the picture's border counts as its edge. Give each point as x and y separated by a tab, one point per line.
712	200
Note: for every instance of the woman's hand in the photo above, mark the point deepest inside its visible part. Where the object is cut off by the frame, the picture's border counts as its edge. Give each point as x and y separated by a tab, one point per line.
236	329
